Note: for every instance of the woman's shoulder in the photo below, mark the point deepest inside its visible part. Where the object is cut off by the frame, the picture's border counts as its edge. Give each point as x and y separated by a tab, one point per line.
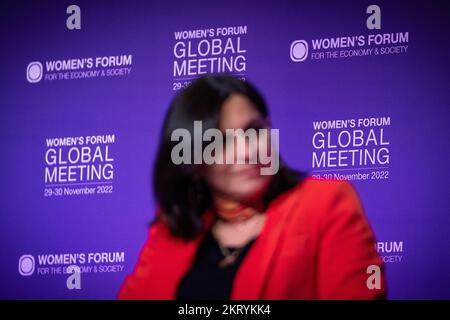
324	207
159	228
322	189
318	199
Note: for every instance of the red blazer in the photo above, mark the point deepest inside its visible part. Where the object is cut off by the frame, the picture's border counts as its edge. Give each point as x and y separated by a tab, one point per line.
315	244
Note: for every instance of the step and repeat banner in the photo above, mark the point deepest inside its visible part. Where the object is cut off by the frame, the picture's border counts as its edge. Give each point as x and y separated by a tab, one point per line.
358	89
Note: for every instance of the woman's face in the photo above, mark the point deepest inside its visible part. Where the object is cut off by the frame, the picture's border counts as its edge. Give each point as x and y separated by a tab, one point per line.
239	181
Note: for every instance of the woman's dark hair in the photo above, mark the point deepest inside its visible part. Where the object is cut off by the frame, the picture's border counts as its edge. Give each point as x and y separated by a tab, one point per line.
182	197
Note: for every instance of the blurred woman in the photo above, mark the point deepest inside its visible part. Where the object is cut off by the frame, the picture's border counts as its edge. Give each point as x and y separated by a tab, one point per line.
226	231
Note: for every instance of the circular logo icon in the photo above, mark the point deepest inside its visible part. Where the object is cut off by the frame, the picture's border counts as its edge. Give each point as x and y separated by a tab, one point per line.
26	265
34	72
299	50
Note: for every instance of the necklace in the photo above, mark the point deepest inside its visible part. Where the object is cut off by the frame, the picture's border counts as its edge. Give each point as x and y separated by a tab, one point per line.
230	256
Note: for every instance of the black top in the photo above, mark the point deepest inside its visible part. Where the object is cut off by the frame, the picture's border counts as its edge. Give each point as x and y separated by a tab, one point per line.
206	280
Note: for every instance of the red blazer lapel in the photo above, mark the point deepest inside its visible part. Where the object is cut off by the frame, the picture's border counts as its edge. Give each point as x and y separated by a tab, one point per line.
174	260
252	275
